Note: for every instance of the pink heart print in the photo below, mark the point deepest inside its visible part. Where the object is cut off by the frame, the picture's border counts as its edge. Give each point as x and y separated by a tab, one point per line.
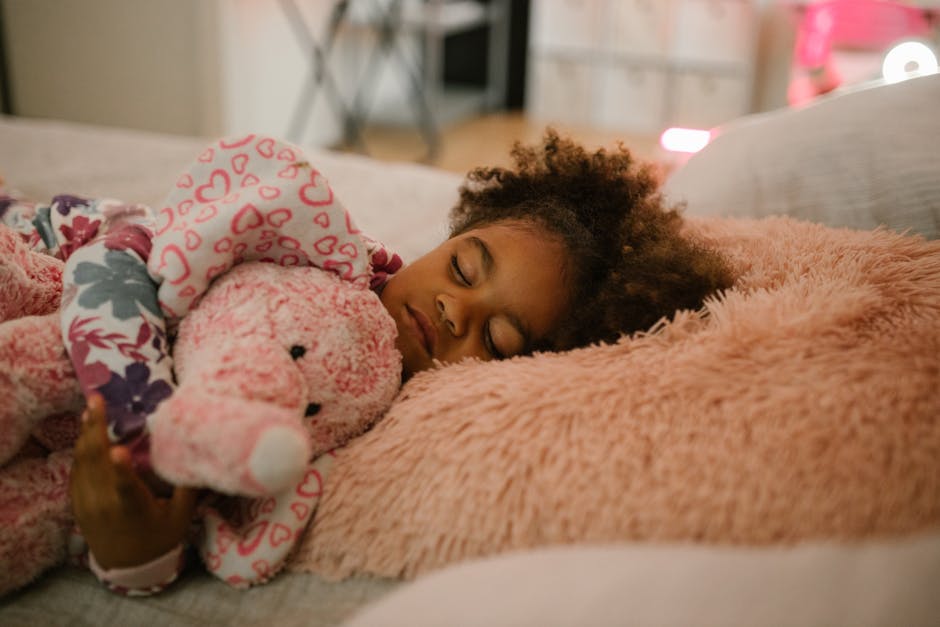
239	193
326	245
312	485
316	193
300	510
280	534
207	213
238	163
236	143
322	219
253	537
164	220
279	217
247	218
290	172
192	240
268	192
173	265
288	242
265	148
217	187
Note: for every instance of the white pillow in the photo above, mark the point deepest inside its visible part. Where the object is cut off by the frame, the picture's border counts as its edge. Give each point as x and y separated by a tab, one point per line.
876	583
859	160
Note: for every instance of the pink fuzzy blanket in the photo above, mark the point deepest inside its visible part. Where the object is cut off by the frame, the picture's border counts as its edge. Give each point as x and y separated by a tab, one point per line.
805	405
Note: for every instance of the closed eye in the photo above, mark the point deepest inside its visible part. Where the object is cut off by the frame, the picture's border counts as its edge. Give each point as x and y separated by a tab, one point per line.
458	273
490	345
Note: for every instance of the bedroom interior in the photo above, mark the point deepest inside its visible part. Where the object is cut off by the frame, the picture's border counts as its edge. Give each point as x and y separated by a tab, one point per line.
774	459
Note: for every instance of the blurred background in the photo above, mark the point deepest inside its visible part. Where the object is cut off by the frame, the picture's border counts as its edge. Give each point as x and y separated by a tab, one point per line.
451	83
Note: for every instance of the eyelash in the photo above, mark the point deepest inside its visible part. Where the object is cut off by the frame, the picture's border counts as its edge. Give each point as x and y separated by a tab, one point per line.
455	265
490	346
487	336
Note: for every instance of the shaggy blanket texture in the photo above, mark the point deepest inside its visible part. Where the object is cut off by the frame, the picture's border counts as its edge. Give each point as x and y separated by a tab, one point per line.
804	405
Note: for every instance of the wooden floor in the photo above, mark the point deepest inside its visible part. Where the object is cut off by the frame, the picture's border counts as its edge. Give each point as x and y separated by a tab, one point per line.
486	141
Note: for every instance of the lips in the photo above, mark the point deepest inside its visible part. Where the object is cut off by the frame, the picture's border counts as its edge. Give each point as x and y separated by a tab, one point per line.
426	331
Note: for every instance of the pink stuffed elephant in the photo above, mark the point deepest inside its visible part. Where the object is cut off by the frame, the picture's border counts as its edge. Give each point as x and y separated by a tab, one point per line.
275	366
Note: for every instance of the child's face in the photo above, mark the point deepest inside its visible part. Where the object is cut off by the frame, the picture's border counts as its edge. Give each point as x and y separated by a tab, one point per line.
490	293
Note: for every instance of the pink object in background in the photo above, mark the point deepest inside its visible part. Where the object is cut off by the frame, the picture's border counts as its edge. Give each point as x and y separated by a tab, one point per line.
689	140
853	24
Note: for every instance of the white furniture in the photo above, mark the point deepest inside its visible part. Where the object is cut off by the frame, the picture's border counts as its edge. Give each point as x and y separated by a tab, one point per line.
641	66
390	26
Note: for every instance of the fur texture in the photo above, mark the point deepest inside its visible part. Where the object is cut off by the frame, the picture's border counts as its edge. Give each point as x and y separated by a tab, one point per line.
265	346
35	517
30	284
239	379
804	405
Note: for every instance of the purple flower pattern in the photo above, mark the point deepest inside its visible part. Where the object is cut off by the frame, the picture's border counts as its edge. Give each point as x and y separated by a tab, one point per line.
131	398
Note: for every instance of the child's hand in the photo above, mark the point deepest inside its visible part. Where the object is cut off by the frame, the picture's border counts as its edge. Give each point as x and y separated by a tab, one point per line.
122	521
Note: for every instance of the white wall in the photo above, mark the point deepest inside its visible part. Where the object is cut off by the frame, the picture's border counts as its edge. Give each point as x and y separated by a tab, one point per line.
193	67
212	67
263	67
776	37
134	63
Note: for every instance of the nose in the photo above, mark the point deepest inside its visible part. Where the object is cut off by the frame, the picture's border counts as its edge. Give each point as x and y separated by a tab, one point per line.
453	313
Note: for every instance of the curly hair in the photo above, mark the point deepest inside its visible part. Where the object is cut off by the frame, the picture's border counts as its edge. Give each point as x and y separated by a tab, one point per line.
628	264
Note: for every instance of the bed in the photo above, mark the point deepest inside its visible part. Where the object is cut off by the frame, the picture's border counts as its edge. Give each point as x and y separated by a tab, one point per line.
817	502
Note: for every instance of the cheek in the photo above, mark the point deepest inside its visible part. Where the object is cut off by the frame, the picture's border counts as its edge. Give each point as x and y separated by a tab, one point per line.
465	349
413	359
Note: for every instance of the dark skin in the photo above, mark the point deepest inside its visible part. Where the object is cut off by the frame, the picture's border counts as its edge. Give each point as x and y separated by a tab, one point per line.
489	293
122	521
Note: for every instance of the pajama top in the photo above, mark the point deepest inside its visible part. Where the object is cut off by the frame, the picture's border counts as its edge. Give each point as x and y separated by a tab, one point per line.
131	274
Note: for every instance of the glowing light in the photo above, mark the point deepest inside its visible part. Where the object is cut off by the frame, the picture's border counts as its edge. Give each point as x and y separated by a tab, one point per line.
684	139
907	60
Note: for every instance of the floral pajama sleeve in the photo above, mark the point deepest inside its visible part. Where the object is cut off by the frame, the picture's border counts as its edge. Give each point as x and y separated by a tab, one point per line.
112	325
130	275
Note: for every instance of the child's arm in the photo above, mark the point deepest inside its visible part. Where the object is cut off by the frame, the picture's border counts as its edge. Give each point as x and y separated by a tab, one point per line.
135	537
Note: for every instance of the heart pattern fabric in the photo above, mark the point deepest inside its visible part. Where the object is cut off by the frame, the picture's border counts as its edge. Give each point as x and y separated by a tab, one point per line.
221	210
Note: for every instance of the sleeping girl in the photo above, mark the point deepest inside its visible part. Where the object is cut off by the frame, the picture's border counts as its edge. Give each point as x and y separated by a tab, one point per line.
565	249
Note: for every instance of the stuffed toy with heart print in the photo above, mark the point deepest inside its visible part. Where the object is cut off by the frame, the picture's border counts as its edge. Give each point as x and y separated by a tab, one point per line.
260	284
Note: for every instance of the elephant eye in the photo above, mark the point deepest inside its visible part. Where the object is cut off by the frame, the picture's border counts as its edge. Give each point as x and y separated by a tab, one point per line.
312	409
297	351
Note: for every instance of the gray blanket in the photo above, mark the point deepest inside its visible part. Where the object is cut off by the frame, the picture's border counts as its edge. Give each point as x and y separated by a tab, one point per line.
72	596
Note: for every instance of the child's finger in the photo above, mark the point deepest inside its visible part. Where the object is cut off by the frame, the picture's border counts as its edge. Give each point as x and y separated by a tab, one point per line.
182	504
120	456
93	440
132	491
96	407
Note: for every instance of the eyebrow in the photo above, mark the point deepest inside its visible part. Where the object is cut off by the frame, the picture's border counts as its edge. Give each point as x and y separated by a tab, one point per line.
487	259
484	251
